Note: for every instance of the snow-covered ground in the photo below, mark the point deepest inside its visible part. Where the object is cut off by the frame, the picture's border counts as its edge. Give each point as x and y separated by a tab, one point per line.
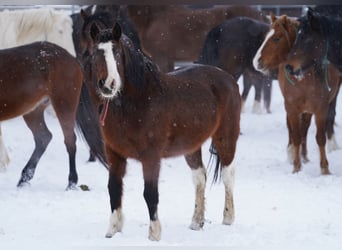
274	208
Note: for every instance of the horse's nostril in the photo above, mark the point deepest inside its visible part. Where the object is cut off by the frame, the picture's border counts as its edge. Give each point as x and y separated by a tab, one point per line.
101	83
289	68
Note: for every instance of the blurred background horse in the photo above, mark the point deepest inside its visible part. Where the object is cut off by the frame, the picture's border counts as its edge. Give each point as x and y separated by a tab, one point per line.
19	27
231	46
314	92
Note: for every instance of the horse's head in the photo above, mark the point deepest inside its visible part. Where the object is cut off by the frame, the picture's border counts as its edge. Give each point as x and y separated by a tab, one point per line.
309	48
104	20
277	43
106	59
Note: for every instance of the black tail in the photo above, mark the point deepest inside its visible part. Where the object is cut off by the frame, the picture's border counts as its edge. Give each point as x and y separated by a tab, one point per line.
209	53
214	155
87	124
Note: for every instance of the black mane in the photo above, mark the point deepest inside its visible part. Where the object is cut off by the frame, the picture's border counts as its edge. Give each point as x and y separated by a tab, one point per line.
138	67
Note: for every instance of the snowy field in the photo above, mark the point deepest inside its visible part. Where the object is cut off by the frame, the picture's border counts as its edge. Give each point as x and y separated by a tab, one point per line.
274	208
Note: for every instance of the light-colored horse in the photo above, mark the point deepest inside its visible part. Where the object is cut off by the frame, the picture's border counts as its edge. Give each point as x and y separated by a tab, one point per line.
19	27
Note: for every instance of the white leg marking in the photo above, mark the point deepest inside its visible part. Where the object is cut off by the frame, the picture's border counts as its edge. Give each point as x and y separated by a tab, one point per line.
256	107
332	144
4	158
242	107
154	230
115	223
228	178
258	54
199	180
290	153
112	70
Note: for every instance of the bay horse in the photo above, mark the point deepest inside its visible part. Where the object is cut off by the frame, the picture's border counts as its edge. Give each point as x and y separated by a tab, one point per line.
231	46
148	115
19	27
31	77
313	93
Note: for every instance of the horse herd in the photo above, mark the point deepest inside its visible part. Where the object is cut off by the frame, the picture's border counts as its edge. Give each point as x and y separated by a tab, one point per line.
118	95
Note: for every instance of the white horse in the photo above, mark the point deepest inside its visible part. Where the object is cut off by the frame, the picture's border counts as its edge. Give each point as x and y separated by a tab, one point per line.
19	27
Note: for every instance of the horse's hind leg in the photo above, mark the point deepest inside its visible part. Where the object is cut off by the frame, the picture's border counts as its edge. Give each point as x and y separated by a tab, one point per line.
4	158
225	140
199	179
304	127
247	84
66	115
42	137
332	144
267	92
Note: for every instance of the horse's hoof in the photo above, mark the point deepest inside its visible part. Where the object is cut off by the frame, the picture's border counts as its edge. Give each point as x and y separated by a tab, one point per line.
228	220
22	184
71	186
296	171
196	225
305	160
109	235
154	231
325	171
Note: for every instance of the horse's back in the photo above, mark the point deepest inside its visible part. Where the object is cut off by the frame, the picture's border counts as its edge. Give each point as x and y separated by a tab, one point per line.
215	80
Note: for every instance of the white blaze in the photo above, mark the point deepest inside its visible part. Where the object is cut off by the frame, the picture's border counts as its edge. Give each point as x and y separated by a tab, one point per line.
112	70
258	54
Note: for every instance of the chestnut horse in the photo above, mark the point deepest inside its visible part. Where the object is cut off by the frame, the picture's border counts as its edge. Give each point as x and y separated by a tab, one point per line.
313	93
32	76
148	115
231	46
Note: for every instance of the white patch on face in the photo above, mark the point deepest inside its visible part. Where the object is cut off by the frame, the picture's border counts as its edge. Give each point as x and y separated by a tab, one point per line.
112	70
258	54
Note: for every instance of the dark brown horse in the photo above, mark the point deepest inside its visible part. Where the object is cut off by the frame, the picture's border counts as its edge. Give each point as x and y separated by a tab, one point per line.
313	93
148	115
231	46
34	75
170	33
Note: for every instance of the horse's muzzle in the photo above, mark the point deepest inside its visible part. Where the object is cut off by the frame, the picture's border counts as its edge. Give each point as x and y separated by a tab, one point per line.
105	90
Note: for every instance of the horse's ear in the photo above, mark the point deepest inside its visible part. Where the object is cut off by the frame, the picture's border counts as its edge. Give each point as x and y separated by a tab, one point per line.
83	14
94	31
313	18
273	17
116	32
283	19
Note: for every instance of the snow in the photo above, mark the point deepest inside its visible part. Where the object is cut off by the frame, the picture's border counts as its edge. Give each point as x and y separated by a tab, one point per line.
273	207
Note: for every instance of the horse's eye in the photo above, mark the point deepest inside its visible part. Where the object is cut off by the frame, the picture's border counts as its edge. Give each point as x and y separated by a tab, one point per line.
275	39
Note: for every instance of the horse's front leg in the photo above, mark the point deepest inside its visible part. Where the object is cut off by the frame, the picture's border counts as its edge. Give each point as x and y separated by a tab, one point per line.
151	171
294	126
117	170
320	120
